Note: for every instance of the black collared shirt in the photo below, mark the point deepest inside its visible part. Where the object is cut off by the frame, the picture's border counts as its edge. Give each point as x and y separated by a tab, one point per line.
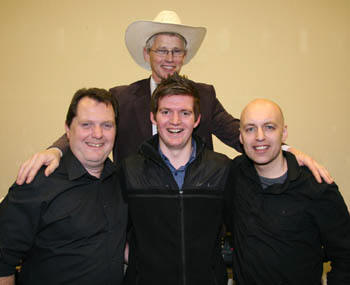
281	233
68	228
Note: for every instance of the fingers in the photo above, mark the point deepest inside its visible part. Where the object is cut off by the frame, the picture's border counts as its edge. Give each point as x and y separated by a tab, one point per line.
34	168
25	169
126	253
20	176
29	169
324	173
320	172
315	171
51	167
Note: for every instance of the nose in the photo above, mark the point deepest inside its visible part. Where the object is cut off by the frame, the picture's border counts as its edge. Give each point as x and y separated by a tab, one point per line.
169	56
260	135
175	119
97	132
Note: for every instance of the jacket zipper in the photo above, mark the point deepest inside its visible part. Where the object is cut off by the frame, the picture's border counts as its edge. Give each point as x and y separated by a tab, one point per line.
183	251
182	221
182	215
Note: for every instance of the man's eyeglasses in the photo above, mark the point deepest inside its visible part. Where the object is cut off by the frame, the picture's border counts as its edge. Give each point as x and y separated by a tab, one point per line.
165	52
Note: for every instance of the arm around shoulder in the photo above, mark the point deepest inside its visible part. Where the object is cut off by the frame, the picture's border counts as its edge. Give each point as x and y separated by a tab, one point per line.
224	126
318	170
49	157
62	143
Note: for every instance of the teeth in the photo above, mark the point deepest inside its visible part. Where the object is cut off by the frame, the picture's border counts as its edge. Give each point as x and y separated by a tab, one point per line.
168	67
174	131
95	144
261	147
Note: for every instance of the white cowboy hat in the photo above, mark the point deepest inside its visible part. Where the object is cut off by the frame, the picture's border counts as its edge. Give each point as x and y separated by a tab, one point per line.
139	32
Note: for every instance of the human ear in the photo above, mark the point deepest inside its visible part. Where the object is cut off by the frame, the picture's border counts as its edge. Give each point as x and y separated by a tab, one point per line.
146	55
67	130
153	119
284	134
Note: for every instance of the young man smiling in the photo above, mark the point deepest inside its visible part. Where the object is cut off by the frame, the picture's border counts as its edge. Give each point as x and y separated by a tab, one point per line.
176	119
175	187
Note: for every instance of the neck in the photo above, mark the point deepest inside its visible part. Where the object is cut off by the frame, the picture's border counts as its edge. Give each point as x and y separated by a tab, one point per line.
157	81
177	157
273	169
95	171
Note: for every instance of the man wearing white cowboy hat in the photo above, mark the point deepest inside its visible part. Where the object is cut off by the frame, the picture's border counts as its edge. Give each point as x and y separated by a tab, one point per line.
162	46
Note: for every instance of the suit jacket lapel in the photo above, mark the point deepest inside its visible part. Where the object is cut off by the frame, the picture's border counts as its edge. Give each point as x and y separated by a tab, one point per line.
142	107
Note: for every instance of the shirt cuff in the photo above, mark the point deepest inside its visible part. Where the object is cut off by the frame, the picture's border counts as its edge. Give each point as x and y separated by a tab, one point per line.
285	147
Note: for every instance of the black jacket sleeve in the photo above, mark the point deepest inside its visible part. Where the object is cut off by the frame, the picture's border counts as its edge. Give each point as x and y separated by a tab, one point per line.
19	218
332	217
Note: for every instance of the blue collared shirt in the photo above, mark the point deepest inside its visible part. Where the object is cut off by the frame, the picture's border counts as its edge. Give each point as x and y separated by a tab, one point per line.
179	174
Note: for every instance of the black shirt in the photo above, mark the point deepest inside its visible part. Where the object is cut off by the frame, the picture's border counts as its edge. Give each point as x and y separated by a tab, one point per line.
68	228
282	232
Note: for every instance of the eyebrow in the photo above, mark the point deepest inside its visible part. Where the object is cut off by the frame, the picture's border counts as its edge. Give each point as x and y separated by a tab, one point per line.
264	124
248	125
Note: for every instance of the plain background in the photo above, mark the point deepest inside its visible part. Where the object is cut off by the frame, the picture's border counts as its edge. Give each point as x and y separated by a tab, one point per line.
295	52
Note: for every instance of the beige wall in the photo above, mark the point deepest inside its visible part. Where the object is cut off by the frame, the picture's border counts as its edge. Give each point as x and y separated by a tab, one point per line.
295	52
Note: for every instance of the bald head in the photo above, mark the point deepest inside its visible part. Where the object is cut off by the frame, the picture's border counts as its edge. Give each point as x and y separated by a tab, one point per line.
261	107
262	133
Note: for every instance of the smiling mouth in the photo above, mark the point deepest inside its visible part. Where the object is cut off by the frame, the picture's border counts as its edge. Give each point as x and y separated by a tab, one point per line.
96	145
174	131
168	67
261	147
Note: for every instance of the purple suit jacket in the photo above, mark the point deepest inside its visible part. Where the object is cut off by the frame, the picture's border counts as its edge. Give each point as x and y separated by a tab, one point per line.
134	125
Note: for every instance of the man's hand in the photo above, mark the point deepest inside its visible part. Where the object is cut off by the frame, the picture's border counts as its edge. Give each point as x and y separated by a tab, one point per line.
7	280
126	253
50	157
318	170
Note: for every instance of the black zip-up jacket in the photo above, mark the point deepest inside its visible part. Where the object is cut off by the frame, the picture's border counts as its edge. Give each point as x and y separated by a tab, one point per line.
175	237
282	232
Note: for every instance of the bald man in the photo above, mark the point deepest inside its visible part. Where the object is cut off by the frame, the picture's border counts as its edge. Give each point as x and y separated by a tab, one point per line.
283	222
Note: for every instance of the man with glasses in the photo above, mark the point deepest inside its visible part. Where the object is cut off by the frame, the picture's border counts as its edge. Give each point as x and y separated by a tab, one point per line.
162	46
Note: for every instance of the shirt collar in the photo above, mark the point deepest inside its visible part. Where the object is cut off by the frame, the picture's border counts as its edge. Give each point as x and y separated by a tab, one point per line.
192	156
293	172
76	170
153	85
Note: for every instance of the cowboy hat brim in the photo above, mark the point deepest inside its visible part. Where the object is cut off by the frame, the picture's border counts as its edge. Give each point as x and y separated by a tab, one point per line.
139	32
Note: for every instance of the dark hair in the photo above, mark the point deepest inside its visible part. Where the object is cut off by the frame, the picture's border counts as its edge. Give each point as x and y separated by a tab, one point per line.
97	94
175	85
